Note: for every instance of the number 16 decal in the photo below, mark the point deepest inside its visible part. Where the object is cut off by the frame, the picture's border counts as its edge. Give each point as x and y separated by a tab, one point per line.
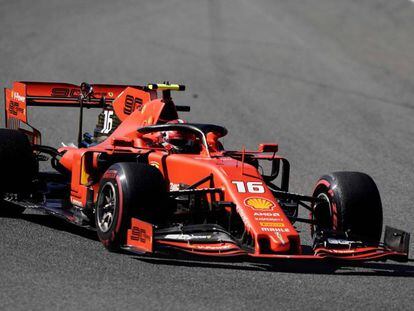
250	186
107	127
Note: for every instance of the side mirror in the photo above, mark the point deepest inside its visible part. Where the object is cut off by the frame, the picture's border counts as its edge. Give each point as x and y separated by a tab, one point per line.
268	148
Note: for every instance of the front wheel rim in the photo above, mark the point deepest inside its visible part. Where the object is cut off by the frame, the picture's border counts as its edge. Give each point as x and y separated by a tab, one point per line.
106	208
323	212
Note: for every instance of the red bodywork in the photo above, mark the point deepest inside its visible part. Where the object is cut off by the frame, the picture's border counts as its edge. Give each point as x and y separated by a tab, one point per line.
240	182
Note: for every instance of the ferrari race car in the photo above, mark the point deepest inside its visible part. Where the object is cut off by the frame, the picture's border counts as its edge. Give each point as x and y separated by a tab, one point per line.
155	184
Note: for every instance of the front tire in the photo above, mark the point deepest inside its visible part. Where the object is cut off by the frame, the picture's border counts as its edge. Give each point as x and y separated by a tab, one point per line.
128	190
350	203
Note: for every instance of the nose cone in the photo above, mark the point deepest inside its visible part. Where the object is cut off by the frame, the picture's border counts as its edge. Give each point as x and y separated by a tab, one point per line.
279	241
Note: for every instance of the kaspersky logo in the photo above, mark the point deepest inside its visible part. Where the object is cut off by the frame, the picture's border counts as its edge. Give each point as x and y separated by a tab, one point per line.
261	204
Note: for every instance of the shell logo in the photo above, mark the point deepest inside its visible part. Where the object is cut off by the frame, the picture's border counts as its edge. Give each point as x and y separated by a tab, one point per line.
261	204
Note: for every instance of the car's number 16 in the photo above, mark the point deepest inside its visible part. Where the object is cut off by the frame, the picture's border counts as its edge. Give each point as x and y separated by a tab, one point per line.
107	126
250	186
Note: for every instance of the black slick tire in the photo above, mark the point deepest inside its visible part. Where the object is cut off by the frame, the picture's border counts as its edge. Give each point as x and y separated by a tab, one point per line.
134	190
18	168
351	204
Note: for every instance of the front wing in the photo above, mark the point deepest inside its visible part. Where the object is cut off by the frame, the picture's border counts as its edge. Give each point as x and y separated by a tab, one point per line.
212	240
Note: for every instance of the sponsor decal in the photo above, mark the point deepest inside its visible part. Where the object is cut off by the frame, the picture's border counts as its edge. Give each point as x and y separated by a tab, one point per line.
339	241
15	109
273	224
73	92
259	203
139	234
155	164
64	92
186	237
16	96
266	214
283	230
268	219
212	247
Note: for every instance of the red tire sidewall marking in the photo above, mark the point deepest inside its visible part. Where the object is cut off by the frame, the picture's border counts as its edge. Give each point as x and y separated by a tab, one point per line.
120	210
334	210
120	205
322	182
331	194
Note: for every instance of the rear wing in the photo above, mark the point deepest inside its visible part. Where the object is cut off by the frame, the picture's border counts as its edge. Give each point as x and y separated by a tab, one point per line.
124	99
44	94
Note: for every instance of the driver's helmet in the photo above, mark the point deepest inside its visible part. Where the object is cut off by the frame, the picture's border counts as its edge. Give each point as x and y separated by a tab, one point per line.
179	141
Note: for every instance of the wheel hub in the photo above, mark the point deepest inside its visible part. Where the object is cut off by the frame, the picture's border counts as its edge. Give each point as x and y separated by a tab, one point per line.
106	207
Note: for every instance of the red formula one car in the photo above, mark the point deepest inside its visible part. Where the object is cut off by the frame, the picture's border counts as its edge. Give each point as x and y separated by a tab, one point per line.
149	182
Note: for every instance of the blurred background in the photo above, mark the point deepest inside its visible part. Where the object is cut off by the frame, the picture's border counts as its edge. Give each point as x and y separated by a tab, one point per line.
331	81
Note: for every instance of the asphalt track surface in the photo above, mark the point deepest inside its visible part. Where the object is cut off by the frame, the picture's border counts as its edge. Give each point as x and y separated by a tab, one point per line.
332	81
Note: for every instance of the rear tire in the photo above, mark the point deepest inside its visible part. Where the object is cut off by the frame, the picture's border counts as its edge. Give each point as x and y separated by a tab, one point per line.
128	190
18	167
351	204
